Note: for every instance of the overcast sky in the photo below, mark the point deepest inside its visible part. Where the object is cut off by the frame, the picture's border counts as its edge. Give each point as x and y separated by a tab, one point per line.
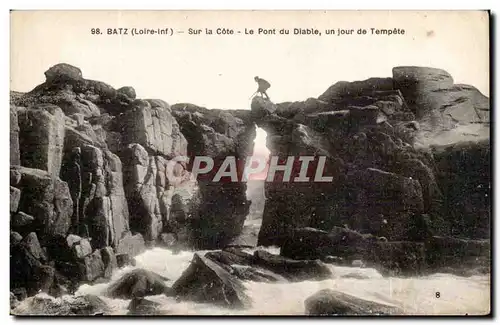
218	71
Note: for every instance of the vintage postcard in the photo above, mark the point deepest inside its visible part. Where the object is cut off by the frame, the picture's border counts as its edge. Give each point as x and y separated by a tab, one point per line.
250	163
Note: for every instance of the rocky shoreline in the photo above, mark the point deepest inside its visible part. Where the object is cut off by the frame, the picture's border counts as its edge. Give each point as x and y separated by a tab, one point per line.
89	189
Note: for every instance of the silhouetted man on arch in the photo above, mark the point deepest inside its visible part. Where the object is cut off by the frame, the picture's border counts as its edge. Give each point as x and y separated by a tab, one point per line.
263	86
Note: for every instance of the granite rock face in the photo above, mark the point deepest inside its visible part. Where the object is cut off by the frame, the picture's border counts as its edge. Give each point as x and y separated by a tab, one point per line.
444	109
217	134
74	171
384	178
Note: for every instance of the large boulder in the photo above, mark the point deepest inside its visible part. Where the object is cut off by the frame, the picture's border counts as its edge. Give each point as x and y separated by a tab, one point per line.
62	71
439	104
328	302
138	283
205	281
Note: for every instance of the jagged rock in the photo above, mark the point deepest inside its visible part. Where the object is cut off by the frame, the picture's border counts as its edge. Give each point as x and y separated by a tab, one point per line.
151	127
72	239
205	281
91	267
240	264
109	260
15	196
138	283
32	245
141	306
82	249
47	199
328	302
132	245
127	91
293	270
14	137
262	107
15	238
230	256
41	137
62	71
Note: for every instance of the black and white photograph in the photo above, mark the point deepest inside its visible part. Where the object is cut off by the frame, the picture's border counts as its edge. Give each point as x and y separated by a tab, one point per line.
250	163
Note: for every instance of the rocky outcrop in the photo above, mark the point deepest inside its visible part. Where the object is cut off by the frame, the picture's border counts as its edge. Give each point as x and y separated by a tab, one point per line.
242	265
329	302
408	258
74	170
370	134
205	281
96	177
47	199
439	104
217	134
